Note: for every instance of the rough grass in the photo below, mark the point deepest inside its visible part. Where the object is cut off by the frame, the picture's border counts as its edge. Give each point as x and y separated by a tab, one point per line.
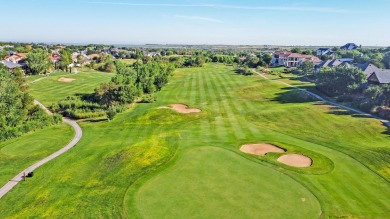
49	90
128	61
113	168
18	154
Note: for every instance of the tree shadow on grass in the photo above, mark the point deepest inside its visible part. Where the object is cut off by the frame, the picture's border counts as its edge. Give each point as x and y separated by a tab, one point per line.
293	95
86	97
344	112
95	120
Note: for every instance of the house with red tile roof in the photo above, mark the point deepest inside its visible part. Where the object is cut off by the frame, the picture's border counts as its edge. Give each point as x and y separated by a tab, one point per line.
16	58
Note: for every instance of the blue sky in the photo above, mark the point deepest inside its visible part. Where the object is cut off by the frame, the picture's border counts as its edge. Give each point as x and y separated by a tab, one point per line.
270	22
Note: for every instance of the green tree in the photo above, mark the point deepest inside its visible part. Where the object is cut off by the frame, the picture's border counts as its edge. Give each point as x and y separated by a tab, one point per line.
199	61
252	61
66	60
296	50
307	67
108	67
106	94
104	58
386	60
17	112
111	112
340	80
267	58
38	62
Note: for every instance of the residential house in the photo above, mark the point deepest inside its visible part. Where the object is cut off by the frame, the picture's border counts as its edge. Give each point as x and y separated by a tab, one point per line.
381	76
16	58
12	65
55	58
153	54
368	68
93	56
280	58
333	63
324	51
74	56
289	59
349	46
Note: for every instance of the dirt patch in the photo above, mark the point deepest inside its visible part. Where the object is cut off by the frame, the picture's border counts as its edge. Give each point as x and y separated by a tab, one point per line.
261	149
181	108
66	80
295	160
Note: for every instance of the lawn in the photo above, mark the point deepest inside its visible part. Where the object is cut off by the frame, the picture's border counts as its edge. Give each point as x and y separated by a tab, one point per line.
49	89
223	185
18	154
156	163
128	61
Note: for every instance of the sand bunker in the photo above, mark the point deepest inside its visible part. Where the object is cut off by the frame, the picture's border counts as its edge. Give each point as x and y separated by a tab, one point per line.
260	149
295	160
181	108
66	80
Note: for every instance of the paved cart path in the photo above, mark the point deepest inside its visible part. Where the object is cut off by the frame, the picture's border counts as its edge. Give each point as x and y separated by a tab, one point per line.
385	122
13	182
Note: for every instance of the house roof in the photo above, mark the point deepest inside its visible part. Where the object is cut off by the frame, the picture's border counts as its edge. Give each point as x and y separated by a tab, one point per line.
307	57
323	49
335	63
349	46
383	76
22	55
282	53
92	56
367	68
55	58
10	65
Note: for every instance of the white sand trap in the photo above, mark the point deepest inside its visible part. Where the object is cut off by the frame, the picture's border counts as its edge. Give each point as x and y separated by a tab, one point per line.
66	80
295	160
261	149
181	108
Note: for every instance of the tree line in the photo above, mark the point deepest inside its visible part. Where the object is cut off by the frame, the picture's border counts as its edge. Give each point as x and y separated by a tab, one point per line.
18	114
349	85
132	83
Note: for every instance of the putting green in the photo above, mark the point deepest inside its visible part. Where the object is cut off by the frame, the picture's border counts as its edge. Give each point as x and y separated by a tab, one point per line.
208	182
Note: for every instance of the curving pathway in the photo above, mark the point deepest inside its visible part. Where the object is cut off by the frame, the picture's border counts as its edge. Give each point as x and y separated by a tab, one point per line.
385	122
13	182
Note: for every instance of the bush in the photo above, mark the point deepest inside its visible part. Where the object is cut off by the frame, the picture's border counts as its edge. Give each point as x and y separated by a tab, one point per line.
244	71
147	98
383	112
74	107
344	98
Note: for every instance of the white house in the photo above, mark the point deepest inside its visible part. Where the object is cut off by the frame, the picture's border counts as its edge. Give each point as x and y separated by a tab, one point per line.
290	59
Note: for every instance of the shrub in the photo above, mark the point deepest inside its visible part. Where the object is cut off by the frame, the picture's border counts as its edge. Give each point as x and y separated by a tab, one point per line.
147	98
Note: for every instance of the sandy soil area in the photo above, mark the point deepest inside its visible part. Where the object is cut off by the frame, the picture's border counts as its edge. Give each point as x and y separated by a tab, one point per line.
295	160
260	149
181	108
66	80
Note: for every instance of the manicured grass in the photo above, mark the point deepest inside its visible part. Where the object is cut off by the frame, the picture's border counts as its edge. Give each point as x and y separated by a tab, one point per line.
18	154
128	61
223	185
49	90
129	167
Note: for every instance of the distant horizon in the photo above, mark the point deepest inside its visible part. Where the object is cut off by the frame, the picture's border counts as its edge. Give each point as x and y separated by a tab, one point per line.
176	44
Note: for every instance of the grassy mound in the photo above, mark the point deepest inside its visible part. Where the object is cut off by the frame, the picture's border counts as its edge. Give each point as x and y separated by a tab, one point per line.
224	185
